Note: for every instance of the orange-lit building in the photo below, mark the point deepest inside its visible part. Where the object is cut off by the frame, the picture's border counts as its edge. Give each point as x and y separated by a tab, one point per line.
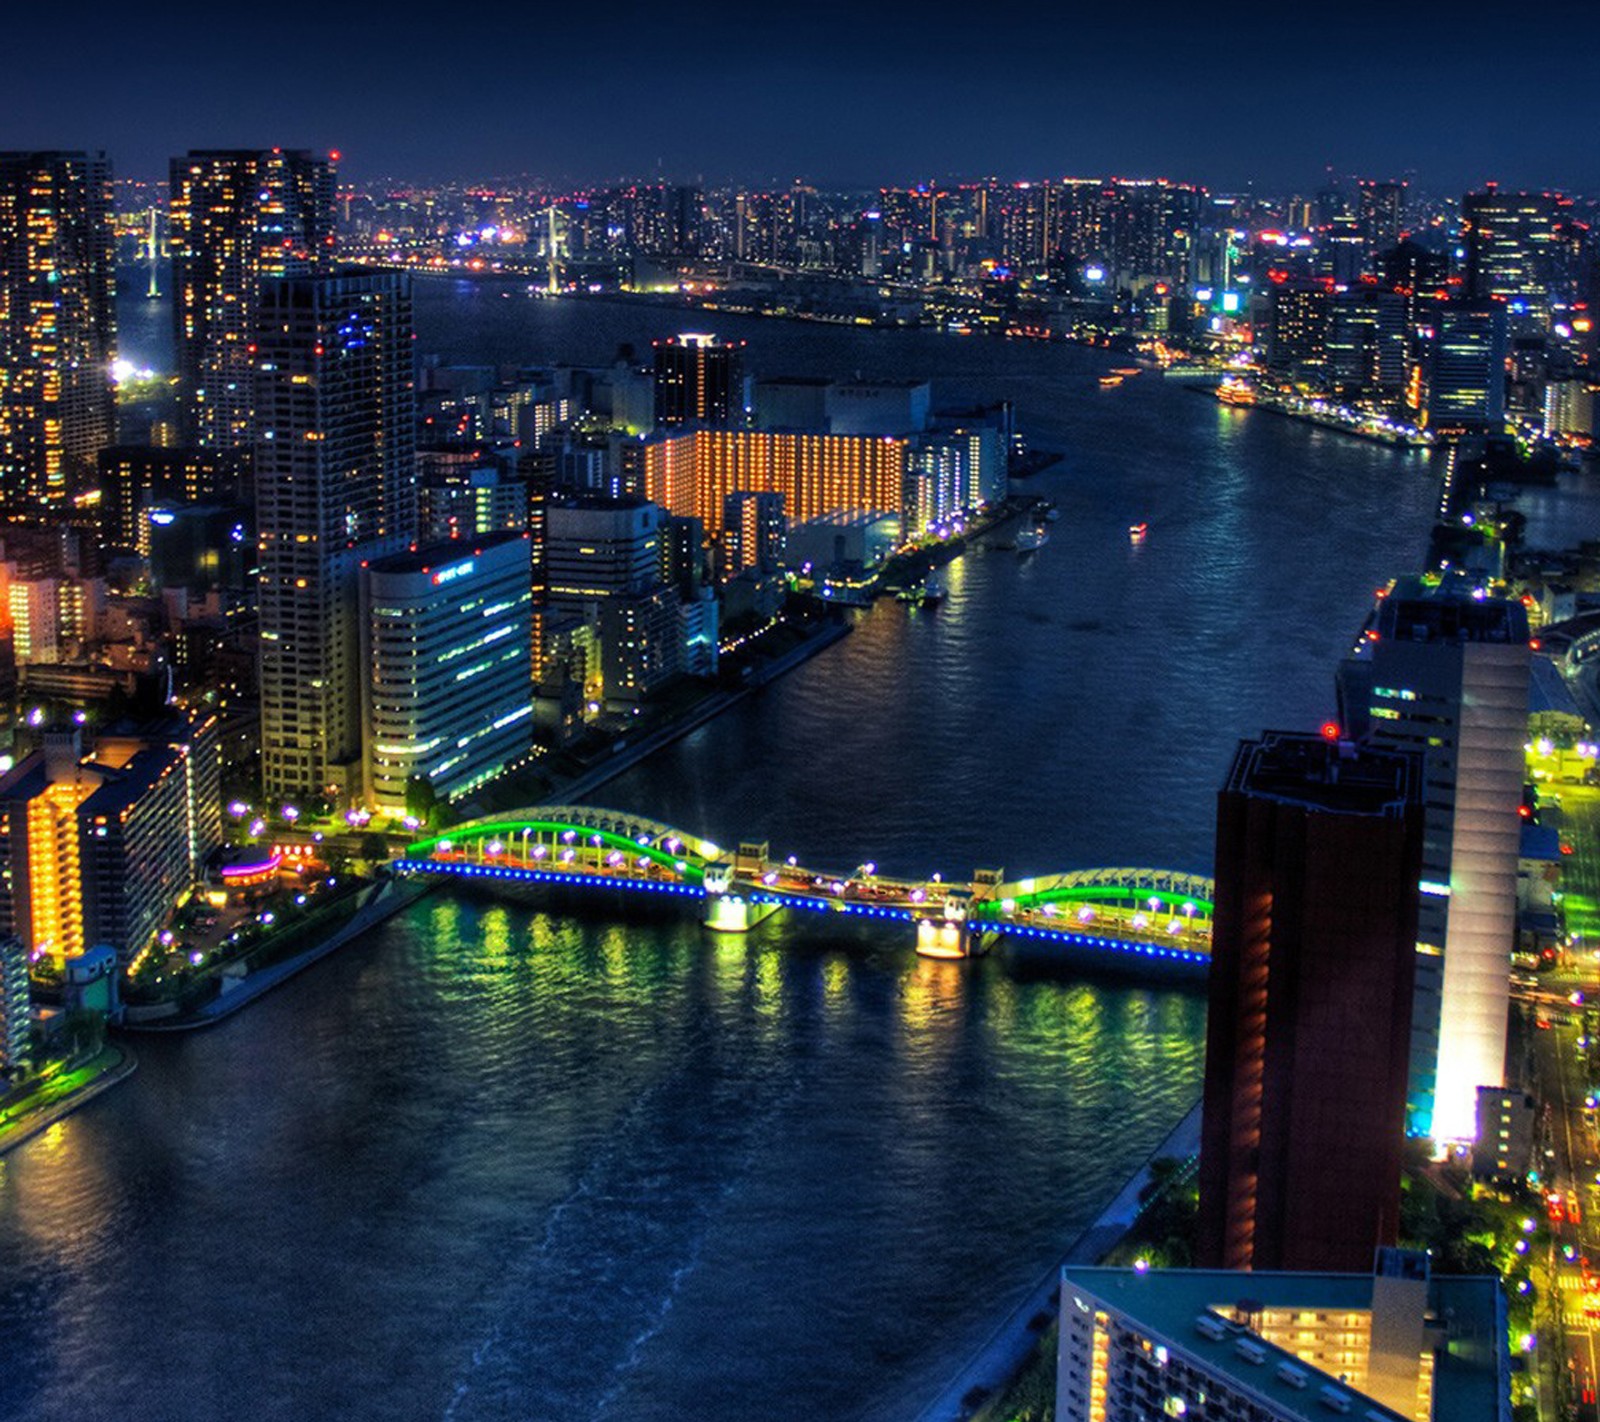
99	849
817	474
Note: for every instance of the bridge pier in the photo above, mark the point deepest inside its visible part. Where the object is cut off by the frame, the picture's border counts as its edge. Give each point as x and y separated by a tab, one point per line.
728	912
732	913
950	935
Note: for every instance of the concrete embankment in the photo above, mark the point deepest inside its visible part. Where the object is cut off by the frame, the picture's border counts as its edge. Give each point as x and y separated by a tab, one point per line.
390	897
1002	1356
24	1131
581	786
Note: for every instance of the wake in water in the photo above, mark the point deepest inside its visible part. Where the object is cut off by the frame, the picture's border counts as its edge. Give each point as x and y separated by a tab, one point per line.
577	1313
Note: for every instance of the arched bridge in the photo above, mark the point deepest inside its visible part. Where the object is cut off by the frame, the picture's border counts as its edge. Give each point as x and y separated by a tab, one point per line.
1157	915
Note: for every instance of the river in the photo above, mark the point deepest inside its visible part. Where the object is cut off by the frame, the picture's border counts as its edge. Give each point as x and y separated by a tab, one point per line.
499	1163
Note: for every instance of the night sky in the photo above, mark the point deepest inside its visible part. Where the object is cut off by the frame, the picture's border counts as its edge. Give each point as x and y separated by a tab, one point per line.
763	90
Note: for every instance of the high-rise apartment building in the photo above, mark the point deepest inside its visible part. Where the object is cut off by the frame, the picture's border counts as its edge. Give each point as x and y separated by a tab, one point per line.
239	217
1319	847
1297	330
699	380
449	666
1445	673
133	478
335	487
817	474
58	332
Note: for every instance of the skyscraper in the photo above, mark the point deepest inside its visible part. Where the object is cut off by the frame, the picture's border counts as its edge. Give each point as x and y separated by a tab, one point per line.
699	380
1307	1043
335	487
239	217
1446	673
57	325
1467	379
1511	241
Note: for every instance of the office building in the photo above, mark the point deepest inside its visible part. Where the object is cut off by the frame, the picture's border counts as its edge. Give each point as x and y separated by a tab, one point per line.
238	218
699	381
1511	241
753	533
449	666
16	1010
58	332
1319	846
1445	673
1297	331
100	848
1391	1344
1367	354
1467	377
335	487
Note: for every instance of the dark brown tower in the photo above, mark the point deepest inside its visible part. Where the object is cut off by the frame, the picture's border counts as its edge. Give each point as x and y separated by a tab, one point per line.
1319	849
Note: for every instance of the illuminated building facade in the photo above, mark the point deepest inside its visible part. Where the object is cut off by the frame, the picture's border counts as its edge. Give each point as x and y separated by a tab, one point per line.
1308	1027
238	218
99	849
1445	674
57	325
699	380
817	474
449	666
335	487
1389	1344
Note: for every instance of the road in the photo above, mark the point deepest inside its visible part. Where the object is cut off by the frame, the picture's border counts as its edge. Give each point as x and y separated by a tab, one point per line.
1571	1149
1571	1164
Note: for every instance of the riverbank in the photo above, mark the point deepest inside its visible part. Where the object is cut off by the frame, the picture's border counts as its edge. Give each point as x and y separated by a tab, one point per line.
59	1098
577	787
1008	1350
390	897
1367	429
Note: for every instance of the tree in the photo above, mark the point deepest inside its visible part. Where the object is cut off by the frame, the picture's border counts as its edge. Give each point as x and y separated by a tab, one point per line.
421	799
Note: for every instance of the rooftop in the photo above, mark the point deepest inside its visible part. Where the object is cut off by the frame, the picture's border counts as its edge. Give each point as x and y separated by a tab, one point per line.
1468	1376
1324	774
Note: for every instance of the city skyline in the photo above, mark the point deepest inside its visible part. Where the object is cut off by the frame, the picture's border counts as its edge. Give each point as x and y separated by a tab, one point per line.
831	95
